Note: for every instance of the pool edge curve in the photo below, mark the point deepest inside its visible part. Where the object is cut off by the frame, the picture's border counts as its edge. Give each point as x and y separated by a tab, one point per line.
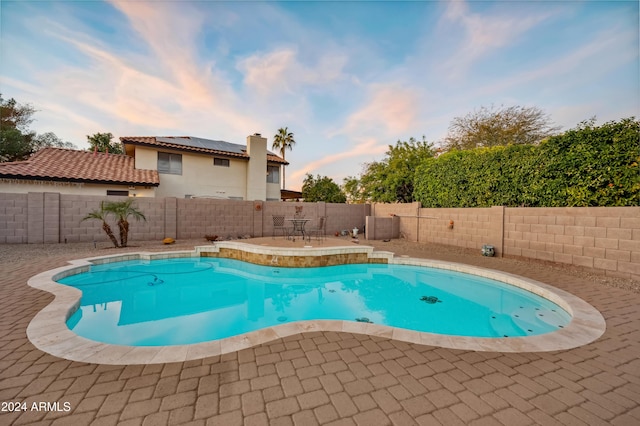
48	330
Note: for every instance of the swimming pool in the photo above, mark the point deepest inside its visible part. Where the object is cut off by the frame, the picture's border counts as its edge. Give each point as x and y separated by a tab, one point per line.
49	331
186	301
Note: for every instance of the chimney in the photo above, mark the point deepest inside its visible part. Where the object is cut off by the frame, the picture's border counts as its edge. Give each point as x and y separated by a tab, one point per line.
257	167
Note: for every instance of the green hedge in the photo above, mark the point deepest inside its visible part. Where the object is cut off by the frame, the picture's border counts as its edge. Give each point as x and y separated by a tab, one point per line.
586	166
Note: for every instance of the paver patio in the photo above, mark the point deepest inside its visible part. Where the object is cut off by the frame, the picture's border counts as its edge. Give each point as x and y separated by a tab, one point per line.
328	377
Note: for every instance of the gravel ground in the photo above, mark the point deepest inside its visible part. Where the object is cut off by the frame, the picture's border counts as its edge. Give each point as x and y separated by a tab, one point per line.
20	252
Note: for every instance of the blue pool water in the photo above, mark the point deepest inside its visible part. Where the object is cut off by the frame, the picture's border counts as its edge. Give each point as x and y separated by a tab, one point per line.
183	301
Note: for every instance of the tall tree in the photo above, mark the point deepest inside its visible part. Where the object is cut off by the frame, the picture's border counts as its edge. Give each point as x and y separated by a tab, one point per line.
282	141
17	142
14	115
321	188
102	143
489	126
50	139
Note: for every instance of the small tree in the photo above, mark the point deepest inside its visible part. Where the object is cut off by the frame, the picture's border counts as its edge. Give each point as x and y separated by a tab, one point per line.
101	214
122	210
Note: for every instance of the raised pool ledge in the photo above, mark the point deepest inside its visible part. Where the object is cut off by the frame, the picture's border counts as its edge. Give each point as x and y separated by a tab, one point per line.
48	330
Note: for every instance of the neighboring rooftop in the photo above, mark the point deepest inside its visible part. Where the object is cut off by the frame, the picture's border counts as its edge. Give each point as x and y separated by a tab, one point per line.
70	165
194	144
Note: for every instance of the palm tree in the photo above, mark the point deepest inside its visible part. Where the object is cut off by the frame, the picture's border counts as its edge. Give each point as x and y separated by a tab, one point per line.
101	214
282	141
122	210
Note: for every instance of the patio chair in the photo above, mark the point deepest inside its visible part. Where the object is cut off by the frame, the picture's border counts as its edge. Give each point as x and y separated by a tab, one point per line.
279	226
318	231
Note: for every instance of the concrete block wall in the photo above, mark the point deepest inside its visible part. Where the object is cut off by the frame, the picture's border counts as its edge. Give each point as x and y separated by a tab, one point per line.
346	216
472	227
226	218
13	218
606	239
73	208
339	216
382	228
154	227
170	218
57	218
51	231
35	217
408	226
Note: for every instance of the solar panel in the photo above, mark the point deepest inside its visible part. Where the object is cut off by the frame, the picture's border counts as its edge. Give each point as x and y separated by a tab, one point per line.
204	143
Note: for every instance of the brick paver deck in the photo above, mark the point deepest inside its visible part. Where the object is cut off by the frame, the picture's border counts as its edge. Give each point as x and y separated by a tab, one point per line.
327	377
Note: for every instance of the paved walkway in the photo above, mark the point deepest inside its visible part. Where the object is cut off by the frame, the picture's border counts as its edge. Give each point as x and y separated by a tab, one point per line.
327	377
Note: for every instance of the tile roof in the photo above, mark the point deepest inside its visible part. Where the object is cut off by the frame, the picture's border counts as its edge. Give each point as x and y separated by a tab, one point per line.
193	144
79	166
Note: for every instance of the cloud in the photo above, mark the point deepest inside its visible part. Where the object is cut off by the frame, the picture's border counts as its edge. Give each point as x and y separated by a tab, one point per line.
161	85
582	63
484	34
281	70
389	110
364	149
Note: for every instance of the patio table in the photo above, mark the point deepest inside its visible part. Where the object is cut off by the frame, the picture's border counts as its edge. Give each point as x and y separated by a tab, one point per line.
298	227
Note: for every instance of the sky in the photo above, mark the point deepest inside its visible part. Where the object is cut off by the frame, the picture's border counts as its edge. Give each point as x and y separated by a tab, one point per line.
347	78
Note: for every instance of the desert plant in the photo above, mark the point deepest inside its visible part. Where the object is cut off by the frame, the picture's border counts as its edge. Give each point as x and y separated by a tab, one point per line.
101	214
122	210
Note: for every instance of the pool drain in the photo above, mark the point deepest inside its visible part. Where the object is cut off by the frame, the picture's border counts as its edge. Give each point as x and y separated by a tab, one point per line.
364	319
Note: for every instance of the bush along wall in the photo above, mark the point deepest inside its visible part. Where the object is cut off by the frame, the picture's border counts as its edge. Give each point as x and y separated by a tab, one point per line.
585	166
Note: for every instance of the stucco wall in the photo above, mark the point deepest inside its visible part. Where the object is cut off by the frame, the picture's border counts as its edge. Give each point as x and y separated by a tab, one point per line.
14	186
201	178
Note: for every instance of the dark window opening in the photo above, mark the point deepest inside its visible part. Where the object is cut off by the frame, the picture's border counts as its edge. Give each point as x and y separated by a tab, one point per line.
118	193
224	162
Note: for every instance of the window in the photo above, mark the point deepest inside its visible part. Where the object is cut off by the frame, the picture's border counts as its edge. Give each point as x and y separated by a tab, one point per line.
273	174
169	163
224	162
118	193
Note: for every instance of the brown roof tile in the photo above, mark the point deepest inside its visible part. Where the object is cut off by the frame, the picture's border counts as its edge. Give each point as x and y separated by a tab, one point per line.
153	141
79	166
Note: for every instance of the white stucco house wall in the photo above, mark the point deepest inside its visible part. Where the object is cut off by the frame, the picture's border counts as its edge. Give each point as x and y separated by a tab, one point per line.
153	166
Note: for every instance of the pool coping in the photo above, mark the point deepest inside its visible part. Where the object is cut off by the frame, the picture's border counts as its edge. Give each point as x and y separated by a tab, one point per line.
48	330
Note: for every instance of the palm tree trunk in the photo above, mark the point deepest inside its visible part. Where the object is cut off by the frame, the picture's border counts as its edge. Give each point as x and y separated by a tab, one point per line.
284	186
109	232
124	232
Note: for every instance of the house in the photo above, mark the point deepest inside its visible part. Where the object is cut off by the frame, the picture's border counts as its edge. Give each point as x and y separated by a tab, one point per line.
77	172
153	167
195	167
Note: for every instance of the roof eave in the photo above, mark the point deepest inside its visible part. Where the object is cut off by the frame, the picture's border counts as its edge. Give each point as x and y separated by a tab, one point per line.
186	148
78	180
